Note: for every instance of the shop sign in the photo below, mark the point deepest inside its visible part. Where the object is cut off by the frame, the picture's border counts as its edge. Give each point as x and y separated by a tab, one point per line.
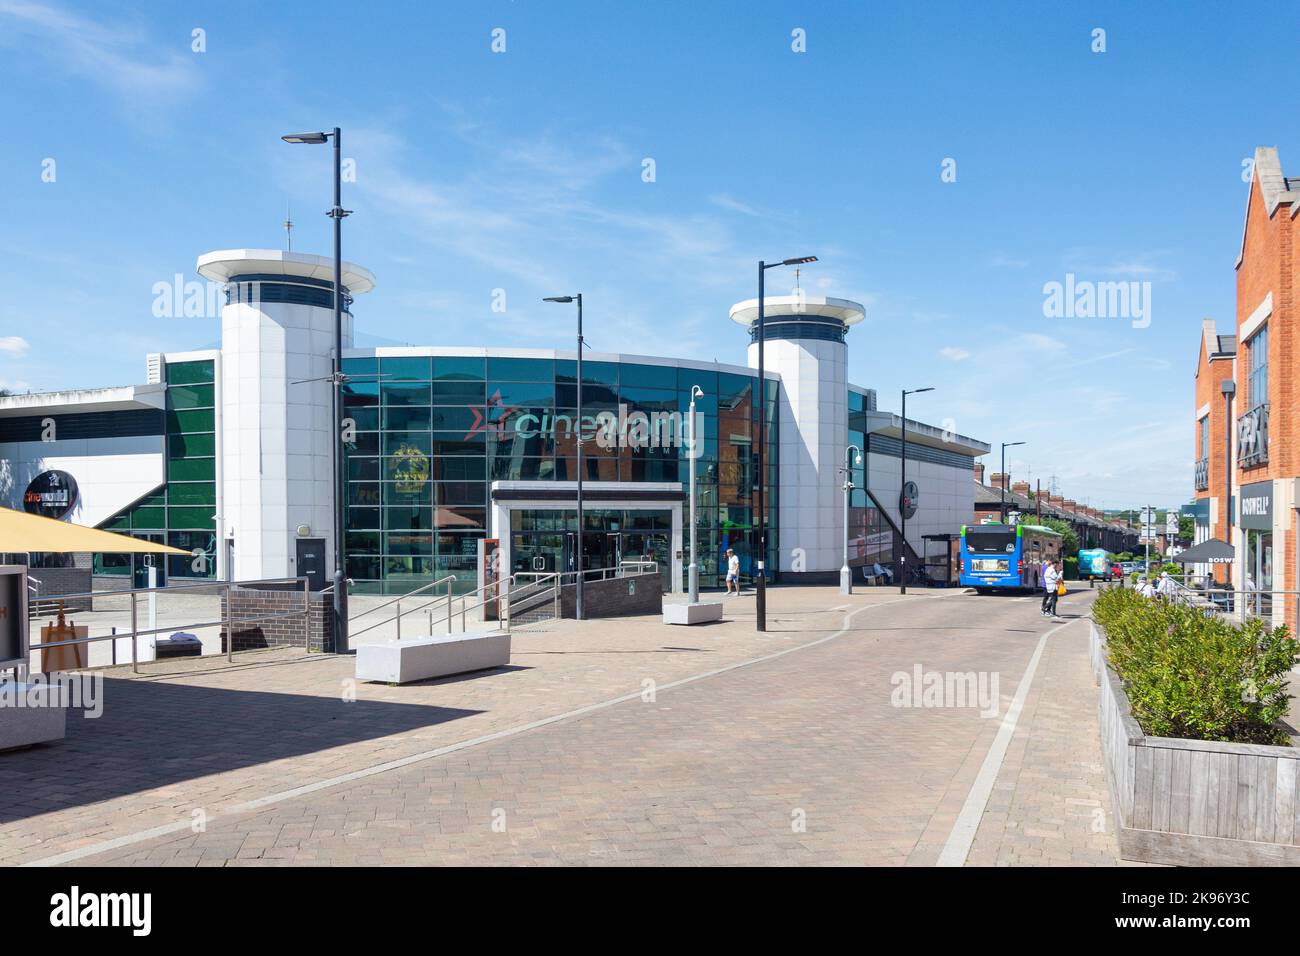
1256	504
51	494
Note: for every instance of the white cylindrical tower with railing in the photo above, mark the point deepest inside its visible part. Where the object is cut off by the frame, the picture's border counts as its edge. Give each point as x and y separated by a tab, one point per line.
276	404
804	342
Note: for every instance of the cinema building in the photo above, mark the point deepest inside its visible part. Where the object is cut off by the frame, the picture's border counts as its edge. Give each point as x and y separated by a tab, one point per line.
226	453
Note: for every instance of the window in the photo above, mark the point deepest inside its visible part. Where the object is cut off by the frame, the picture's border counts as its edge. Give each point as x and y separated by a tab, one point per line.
1257	389
1205	437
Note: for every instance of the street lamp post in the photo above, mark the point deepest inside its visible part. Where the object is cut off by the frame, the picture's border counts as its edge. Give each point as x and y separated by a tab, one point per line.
337	213
760	581
902	488
1229	388
578	611
693	571
1003	483
846	576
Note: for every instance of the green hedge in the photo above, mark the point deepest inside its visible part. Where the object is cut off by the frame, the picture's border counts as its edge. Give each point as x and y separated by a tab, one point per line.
1198	677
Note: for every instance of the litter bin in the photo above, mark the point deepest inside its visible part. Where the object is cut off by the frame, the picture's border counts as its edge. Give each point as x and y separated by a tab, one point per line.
179	644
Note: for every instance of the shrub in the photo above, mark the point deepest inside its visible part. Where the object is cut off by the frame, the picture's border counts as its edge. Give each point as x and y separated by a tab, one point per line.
1070	568
1196	676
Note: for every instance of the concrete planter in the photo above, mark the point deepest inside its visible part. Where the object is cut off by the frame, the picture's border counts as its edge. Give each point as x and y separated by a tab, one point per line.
1194	802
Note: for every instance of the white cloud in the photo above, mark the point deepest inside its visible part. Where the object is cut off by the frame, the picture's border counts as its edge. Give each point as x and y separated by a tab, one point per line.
954	354
115	56
14	345
735	205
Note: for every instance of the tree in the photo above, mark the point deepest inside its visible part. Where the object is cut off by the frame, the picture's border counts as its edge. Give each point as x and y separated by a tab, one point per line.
1186	528
1069	540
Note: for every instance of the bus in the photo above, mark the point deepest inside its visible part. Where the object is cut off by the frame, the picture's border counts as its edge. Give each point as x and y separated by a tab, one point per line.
1006	557
1095	564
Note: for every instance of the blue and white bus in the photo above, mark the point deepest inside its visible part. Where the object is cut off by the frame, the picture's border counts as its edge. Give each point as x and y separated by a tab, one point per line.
1006	556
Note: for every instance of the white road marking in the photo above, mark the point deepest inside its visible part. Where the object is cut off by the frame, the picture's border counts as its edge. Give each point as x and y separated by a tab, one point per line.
958	845
116	843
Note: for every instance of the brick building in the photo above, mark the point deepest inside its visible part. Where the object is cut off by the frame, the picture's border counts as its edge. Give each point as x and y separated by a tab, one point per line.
1216	363
1266	417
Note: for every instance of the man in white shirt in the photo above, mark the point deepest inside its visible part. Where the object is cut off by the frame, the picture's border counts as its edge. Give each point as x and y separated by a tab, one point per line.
733	571
1051	577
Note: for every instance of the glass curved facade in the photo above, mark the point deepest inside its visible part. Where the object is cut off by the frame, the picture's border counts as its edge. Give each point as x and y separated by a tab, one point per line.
432	432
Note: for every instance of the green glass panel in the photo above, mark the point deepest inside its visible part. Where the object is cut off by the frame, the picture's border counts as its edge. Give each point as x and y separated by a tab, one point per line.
190	396
192	493
189	373
148	519
203	420
121	523
192	446
192	469
189	518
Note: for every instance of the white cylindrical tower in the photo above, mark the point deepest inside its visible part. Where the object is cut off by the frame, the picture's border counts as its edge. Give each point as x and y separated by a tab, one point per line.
804	343
275	398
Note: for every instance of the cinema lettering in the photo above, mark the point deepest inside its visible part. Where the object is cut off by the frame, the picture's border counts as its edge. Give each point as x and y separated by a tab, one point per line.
608	430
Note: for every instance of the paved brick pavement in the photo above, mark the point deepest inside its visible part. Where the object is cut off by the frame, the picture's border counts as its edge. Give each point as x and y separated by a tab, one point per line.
798	759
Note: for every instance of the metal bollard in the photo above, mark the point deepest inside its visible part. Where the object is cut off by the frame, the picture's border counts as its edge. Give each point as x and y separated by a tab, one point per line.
135	663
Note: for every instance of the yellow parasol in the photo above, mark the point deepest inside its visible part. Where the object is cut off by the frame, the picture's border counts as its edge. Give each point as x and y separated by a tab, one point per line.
23	533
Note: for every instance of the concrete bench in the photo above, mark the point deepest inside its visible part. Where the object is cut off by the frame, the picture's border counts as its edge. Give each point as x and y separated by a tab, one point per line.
700	612
421	658
41	717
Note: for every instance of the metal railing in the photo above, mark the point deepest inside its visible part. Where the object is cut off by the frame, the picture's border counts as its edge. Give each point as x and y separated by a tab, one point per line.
226	621
1238	604
396	602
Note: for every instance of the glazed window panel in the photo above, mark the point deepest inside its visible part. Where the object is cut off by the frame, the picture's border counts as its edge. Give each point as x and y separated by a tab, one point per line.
405	393
190	396
458	368
1258	382
201	420
192	469
190	373
405	368
521	370
400	418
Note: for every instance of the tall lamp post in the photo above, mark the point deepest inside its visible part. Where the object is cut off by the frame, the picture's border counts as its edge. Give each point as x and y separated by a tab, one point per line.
846	576
902	490
578	605
760	581
1003	483
337	213
1229	388
693	571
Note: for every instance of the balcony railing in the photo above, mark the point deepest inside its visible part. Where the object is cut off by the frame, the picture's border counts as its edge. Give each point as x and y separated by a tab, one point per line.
1252	436
1202	474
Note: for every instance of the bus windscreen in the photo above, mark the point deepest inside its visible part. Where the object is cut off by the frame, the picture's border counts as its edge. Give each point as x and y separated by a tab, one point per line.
990	542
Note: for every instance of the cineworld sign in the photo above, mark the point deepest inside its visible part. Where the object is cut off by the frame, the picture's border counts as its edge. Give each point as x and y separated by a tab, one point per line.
607	429
51	494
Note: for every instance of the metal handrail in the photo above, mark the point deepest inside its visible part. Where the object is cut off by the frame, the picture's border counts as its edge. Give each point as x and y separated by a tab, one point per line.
403	597
225	623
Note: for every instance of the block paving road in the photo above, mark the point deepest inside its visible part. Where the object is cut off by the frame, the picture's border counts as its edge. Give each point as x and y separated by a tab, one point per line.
800	758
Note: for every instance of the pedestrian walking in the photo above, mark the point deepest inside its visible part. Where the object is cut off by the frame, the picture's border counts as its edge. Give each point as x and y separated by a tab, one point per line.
733	571
1051	580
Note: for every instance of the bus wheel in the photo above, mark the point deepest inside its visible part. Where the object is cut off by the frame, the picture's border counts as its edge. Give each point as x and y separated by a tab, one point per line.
981	590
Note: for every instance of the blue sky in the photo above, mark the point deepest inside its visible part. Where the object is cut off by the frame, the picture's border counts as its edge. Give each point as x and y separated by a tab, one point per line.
522	171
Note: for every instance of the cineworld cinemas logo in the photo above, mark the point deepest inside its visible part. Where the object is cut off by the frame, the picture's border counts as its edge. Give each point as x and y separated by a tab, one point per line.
609	430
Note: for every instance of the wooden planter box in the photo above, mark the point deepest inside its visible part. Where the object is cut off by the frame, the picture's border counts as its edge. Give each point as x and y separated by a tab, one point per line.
1194	802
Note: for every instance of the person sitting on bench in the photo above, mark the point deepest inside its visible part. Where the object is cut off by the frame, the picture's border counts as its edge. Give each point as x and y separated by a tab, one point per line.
877	573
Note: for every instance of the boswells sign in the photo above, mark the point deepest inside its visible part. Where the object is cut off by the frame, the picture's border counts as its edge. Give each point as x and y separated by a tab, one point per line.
52	494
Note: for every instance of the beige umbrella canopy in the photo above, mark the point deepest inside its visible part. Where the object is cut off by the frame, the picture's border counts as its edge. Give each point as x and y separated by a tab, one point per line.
23	533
